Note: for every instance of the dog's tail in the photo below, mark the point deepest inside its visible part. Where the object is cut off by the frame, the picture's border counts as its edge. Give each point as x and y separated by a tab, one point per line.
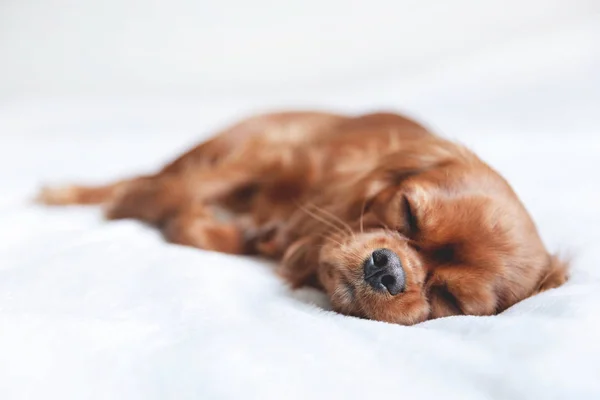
78	194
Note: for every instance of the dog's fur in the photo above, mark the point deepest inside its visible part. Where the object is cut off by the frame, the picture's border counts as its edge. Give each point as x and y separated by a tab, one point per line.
319	192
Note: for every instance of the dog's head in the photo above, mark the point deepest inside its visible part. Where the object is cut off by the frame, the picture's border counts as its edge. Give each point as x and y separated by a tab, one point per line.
430	232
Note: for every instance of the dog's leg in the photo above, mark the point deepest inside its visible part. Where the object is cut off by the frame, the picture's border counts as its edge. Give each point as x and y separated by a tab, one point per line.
147	198
197	226
79	194
158	198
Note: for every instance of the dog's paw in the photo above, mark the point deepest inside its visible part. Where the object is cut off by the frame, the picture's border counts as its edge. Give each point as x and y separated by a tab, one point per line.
57	195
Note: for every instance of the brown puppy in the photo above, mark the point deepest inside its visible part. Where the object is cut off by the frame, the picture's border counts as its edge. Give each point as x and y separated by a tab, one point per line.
394	223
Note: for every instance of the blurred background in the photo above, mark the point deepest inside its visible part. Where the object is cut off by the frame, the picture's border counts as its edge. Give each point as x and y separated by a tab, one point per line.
303	52
224	47
173	71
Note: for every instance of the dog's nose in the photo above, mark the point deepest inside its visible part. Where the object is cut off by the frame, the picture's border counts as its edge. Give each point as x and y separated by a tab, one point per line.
383	271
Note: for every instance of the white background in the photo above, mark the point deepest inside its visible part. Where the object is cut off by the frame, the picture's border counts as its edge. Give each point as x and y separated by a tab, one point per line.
221	47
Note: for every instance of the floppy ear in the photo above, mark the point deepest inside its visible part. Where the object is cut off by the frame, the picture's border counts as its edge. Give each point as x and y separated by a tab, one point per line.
554	276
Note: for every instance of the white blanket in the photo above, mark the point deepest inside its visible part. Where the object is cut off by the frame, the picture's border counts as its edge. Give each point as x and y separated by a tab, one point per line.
95	310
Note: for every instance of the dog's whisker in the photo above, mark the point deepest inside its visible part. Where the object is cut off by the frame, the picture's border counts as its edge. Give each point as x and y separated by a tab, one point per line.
323	220
362	215
335	218
331	238
328	219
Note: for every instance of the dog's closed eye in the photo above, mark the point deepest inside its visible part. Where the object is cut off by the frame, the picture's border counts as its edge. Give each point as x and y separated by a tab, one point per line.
410	220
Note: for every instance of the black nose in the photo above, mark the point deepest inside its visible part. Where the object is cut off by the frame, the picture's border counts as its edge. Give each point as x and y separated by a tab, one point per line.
383	271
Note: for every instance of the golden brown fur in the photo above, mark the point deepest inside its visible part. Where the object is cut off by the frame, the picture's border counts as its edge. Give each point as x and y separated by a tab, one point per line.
320	192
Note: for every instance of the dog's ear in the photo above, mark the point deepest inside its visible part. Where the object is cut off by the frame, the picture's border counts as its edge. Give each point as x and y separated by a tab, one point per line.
555	274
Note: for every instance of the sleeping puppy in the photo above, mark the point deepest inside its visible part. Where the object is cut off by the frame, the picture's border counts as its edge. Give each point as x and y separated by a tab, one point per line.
395	223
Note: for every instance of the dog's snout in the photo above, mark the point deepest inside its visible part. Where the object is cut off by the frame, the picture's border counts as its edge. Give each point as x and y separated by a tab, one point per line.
383	271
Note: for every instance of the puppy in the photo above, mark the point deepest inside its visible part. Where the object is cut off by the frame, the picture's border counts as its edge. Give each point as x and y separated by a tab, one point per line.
395	223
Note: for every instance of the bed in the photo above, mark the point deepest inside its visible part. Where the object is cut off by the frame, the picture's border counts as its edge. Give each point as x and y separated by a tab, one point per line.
92	310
